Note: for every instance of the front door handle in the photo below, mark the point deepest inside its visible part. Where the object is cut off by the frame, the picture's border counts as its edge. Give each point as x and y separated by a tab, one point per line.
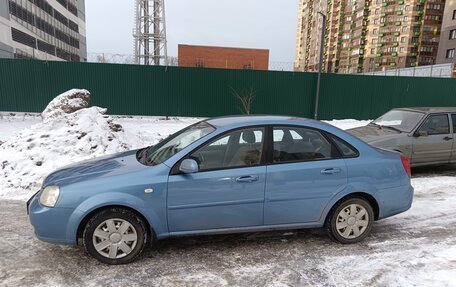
247	178
329	171
447	138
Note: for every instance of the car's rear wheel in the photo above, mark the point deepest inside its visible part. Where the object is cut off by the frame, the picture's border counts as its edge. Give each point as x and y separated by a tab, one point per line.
350	221
115	236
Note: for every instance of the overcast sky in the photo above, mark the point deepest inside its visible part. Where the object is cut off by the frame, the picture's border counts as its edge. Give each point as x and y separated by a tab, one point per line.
265	24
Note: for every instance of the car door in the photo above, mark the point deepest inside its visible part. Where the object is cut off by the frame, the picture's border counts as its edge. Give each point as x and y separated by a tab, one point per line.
433	140
305	173
228	189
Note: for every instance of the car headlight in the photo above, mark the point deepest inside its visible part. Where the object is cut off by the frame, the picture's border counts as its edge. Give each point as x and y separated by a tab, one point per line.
50	195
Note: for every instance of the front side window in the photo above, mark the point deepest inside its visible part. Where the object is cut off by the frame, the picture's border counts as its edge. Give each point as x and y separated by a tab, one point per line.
239	148
173	144
294	144
435	125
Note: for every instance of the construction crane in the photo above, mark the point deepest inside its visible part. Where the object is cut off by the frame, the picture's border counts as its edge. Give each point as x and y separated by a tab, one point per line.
150	33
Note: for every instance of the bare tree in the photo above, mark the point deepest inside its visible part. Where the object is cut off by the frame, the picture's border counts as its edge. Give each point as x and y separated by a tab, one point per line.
246	98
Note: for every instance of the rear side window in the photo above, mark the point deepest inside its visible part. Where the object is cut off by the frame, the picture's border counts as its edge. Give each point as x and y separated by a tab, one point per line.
294	144
346	149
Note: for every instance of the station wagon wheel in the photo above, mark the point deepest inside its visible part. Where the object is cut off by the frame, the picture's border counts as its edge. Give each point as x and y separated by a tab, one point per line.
350	221
115	236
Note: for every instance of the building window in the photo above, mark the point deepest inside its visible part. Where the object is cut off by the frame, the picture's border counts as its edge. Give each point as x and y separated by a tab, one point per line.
200	63
450	54
454	14
401	49
453	34
248	66
375	31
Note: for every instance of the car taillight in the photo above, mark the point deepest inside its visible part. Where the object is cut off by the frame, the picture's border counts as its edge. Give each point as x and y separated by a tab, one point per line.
406	164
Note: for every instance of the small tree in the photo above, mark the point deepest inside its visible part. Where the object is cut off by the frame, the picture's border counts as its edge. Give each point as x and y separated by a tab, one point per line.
246	98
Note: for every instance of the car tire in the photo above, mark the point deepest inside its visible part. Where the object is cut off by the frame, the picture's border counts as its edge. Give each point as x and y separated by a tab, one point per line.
115	236
350	221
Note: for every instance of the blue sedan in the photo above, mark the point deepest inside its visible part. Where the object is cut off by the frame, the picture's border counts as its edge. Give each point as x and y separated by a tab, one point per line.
222	175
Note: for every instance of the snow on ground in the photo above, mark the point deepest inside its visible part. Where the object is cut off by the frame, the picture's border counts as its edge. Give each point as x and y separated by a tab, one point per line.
11	123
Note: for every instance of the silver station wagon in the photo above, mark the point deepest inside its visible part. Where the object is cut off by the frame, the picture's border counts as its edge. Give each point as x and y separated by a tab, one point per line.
425	135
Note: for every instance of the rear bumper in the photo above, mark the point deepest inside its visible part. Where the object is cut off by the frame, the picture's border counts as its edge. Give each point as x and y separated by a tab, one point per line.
395	200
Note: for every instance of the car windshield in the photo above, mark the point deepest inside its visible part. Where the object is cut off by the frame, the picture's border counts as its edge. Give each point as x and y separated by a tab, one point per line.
400	120
174	143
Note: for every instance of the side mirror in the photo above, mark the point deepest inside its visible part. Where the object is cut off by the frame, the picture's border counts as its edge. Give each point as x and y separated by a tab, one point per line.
189	166
421	134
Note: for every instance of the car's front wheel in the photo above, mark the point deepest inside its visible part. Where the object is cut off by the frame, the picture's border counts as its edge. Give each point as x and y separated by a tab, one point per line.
350	221
115	236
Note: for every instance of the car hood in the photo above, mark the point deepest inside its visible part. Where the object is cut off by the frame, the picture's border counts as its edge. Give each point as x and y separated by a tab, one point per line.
373	134
109	165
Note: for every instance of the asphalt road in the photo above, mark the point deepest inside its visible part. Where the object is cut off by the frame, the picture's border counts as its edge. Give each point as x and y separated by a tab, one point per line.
291	258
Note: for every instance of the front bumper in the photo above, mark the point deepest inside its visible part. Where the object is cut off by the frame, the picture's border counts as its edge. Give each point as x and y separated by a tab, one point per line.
50	224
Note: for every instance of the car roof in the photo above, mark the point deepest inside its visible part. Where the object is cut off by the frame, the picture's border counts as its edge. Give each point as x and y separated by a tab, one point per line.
430	109
246	120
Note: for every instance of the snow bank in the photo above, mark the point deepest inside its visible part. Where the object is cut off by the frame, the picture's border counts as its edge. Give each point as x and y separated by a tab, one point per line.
63	137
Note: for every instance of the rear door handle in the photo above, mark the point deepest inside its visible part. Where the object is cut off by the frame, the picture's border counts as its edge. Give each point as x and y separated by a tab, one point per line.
447	138
329	171
247	178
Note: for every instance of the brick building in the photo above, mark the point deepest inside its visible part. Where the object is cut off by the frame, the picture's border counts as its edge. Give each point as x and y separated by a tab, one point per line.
223	57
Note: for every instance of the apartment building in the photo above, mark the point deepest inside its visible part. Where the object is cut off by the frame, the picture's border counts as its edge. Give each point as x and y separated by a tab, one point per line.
447	44
43	29
368	35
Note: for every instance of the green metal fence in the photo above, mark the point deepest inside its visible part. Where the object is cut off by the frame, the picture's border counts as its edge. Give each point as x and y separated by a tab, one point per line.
28	86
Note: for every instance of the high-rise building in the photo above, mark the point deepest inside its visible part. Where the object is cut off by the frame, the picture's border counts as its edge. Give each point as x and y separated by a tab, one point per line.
447	44
368	35
43	29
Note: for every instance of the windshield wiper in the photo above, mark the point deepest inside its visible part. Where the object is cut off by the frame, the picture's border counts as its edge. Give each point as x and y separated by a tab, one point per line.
393	128
374	124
